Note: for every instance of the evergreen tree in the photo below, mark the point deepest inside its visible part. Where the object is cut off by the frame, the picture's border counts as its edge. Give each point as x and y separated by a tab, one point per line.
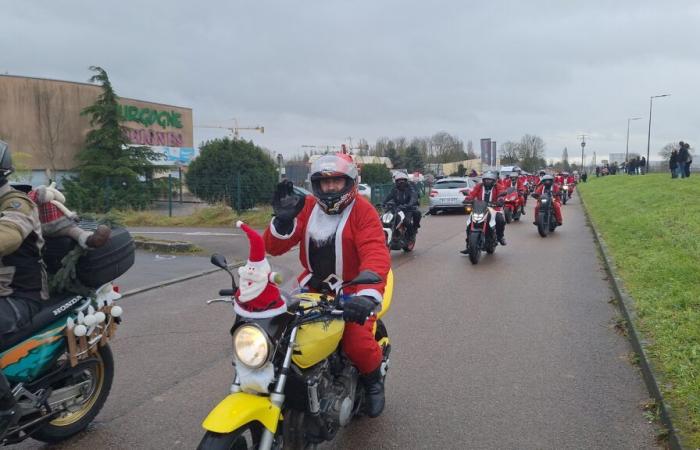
236	172
110	172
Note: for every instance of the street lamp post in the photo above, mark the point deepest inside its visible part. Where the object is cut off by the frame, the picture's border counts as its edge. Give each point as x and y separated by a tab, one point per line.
627	147
646	169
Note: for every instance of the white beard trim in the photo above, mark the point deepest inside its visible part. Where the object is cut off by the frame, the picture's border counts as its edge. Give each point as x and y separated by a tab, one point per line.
251	282
324	227
272	312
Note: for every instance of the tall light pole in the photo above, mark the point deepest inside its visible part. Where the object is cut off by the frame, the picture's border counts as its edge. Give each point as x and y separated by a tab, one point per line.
627	147
646	169
583	145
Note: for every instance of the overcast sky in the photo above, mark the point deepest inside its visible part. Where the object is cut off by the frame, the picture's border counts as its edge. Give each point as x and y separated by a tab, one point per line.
316	72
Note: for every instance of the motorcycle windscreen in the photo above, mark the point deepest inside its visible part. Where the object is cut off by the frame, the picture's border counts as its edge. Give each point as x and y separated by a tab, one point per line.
316	342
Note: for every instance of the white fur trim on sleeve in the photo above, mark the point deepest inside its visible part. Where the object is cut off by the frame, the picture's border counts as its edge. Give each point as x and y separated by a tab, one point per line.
276	234
373	293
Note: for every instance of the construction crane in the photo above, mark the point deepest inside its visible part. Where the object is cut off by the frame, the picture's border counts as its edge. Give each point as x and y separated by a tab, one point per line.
234	129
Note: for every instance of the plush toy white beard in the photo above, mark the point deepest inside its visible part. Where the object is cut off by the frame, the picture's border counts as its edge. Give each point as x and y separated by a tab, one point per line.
252	283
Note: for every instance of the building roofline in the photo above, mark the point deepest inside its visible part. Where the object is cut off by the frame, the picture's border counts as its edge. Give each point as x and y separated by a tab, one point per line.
93	85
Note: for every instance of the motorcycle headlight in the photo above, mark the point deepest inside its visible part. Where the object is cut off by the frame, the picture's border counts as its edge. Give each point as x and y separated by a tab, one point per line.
566	188
387	217
251	346
544	200
479	217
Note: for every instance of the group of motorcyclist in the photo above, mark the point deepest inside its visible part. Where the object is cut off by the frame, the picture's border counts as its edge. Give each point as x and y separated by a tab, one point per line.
338	231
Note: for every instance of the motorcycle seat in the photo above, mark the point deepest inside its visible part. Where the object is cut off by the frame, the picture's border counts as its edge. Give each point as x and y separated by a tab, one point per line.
53	309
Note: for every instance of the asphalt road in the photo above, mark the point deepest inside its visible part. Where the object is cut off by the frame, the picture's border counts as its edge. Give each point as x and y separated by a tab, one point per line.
516	352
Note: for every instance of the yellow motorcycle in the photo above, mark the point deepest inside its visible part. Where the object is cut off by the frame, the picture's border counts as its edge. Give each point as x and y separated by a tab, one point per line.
293	388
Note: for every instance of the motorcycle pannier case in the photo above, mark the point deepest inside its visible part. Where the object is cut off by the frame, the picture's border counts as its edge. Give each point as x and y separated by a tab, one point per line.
98	266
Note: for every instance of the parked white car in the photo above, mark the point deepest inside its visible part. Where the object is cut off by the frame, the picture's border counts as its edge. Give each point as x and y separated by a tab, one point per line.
365	190
449	193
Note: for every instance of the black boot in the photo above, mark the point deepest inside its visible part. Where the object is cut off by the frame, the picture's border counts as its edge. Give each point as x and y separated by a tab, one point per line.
466	249
374	392
9	416
502	240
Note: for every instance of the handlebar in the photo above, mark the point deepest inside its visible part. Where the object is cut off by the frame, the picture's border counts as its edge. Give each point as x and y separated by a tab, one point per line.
226	292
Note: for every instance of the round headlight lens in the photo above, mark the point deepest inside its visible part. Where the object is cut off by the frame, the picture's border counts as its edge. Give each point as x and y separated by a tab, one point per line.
251	346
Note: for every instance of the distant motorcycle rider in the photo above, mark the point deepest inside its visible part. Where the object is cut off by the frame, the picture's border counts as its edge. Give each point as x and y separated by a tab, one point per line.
405	197
490	190
547	184
22	275
339	235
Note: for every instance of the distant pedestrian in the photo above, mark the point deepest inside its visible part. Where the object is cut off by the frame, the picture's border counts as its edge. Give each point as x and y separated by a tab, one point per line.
689	161
673	163
642	166
584	176
597	171
683	158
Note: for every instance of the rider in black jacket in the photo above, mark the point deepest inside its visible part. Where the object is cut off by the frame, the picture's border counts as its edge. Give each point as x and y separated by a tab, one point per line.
405	197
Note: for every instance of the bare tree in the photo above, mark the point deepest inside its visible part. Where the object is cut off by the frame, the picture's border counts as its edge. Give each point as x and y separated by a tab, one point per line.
509	152
470	150
50	113
531	152
665	152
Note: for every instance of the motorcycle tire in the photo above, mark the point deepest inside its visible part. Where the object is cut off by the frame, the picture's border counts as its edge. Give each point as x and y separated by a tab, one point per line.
552	225
509	215
410	244
565	198
516	215
73	422
542	225
474	250
247	437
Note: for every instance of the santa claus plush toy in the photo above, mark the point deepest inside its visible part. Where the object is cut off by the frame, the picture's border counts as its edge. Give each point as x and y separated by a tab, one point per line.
258	296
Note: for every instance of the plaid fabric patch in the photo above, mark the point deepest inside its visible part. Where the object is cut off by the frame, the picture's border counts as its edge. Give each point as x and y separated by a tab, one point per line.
48	212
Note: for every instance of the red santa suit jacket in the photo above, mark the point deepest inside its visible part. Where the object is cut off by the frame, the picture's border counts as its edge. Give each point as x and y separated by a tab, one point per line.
477	193
359	244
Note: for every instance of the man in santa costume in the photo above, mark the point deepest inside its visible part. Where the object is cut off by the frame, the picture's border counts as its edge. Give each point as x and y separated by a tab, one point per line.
339	235
258	296
491	191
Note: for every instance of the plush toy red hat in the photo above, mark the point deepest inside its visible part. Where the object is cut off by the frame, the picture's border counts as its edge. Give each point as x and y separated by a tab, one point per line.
258	295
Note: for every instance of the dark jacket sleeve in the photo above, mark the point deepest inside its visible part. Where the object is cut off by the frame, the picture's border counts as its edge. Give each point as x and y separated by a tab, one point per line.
391	196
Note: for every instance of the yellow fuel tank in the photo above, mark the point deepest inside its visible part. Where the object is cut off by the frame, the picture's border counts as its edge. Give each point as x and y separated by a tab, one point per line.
317	341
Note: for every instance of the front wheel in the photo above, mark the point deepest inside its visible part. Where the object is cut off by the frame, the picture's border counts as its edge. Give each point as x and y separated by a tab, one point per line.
474	247
565	197
96	381
245	438
509	215
542	225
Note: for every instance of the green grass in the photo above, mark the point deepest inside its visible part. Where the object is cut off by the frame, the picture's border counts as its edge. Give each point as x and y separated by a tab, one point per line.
213	216
651	225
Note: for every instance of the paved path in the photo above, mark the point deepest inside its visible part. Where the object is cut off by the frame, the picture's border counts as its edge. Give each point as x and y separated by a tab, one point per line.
517	352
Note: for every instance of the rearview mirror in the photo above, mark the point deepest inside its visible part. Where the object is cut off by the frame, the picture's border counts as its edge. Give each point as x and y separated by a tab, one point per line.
365	277
219	260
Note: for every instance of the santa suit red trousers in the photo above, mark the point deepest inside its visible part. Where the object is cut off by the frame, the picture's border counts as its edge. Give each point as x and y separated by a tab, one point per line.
360	346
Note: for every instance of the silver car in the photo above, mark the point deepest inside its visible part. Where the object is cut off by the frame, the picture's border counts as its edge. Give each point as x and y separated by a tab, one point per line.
447	194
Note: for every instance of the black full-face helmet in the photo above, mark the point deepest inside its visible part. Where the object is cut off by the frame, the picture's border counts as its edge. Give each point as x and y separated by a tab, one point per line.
5	162
547	180
489	178
542	173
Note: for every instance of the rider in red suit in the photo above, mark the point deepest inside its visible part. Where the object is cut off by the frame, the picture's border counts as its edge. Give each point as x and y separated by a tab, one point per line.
339	235
547	183
571	181
491	191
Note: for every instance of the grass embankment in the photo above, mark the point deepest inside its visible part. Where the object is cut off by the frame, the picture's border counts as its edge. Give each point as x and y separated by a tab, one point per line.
651	225
212	216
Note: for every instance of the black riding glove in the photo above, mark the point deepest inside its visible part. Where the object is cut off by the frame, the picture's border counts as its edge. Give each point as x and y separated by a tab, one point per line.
358	308
286	205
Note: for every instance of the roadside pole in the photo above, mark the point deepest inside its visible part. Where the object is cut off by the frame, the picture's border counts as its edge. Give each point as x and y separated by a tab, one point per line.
170	195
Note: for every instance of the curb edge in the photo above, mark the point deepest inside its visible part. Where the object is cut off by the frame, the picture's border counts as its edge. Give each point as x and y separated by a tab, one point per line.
626	306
